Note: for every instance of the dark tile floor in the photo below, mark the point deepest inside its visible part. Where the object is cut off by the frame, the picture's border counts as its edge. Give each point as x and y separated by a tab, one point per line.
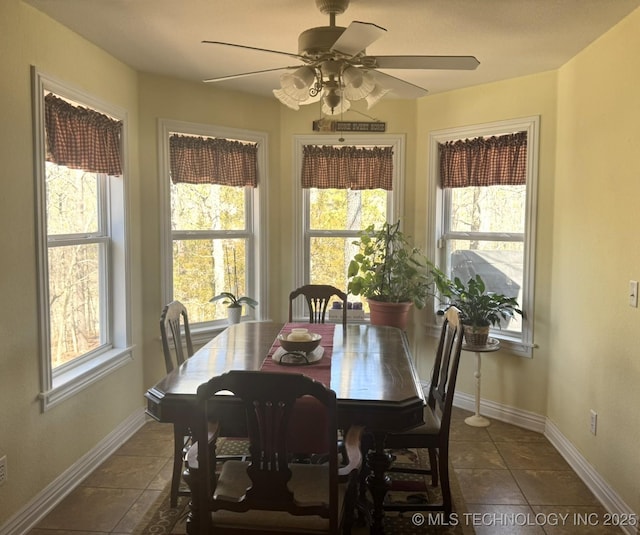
513	480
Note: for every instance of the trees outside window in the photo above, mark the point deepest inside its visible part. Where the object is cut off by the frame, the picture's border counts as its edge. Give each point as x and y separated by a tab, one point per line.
78	246
211	242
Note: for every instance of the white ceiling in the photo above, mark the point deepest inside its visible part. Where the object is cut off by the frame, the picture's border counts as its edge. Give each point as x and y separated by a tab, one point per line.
510	38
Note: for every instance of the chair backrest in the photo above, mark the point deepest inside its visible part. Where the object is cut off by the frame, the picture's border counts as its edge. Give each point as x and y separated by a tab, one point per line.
173	320
268	400
318	297
445	368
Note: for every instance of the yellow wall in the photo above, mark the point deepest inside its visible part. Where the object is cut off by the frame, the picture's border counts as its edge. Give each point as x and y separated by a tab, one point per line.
40	446
587	240
594	360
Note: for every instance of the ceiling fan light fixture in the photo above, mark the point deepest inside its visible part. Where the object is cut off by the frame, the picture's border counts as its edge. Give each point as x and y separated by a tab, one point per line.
283	97
375	95
293	87
330	68
333	103
357	83
303	78
352	76
331	98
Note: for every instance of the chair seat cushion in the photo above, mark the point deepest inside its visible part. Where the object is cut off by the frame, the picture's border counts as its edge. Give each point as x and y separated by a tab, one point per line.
309	483
431	425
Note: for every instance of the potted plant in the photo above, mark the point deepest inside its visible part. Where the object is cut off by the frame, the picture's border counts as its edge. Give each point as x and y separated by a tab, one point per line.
390	273
234	308
480	309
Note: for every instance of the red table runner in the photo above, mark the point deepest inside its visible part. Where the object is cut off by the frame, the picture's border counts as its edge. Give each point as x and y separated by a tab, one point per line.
308	419
320	370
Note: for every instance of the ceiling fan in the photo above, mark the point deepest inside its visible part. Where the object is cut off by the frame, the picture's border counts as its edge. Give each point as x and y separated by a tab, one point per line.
336	68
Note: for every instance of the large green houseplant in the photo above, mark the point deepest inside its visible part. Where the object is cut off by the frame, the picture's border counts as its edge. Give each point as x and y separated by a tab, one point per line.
479	308
390	273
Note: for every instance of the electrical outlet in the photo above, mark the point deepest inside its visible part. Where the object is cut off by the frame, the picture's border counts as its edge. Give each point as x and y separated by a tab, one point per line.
3	469
594	421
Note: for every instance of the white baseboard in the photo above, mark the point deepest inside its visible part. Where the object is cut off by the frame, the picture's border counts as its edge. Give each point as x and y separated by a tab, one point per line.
609	499
497	411
34	511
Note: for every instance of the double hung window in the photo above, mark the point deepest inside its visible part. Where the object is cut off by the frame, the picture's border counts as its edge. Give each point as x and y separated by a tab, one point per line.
343	188
211	179
82	251
484	206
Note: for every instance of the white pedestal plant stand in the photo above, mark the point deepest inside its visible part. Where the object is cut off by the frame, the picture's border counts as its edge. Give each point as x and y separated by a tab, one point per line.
477	420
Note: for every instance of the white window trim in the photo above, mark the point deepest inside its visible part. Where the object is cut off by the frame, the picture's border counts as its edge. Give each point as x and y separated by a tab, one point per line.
524	345
258	259
301	209
67	381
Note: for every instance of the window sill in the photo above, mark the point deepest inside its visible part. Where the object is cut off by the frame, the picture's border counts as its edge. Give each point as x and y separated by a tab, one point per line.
72	381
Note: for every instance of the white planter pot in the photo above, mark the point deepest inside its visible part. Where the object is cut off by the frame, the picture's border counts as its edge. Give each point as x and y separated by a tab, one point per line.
234	314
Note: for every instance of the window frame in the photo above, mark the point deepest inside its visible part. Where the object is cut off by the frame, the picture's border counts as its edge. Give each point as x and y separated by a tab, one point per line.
302	233
437	203
115	348
256	233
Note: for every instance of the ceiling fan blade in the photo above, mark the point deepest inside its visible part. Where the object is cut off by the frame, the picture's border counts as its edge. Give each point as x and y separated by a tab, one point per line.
243	74
426	62
290	54
400	88
357	37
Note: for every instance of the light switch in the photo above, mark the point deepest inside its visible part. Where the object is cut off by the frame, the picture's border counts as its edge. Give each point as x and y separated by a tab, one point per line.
633	294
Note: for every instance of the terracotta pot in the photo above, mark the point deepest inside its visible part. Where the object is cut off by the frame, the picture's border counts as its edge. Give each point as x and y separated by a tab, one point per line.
476	336
234	314
392	314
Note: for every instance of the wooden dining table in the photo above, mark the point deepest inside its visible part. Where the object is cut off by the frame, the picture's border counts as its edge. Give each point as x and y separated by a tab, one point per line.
371	372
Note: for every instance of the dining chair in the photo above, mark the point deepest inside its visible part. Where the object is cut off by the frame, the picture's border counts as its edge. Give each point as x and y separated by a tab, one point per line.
317	297
271	493
175	333
174	319
433	434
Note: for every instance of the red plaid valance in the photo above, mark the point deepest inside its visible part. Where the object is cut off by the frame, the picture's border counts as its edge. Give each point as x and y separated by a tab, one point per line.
497	160
355	168
81	138
199	160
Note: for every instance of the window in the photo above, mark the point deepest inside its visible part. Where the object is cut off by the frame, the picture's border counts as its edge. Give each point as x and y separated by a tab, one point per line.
489	230
212	232
329	220
82	250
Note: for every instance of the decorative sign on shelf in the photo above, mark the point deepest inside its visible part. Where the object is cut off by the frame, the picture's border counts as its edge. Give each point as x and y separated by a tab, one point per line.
326	125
